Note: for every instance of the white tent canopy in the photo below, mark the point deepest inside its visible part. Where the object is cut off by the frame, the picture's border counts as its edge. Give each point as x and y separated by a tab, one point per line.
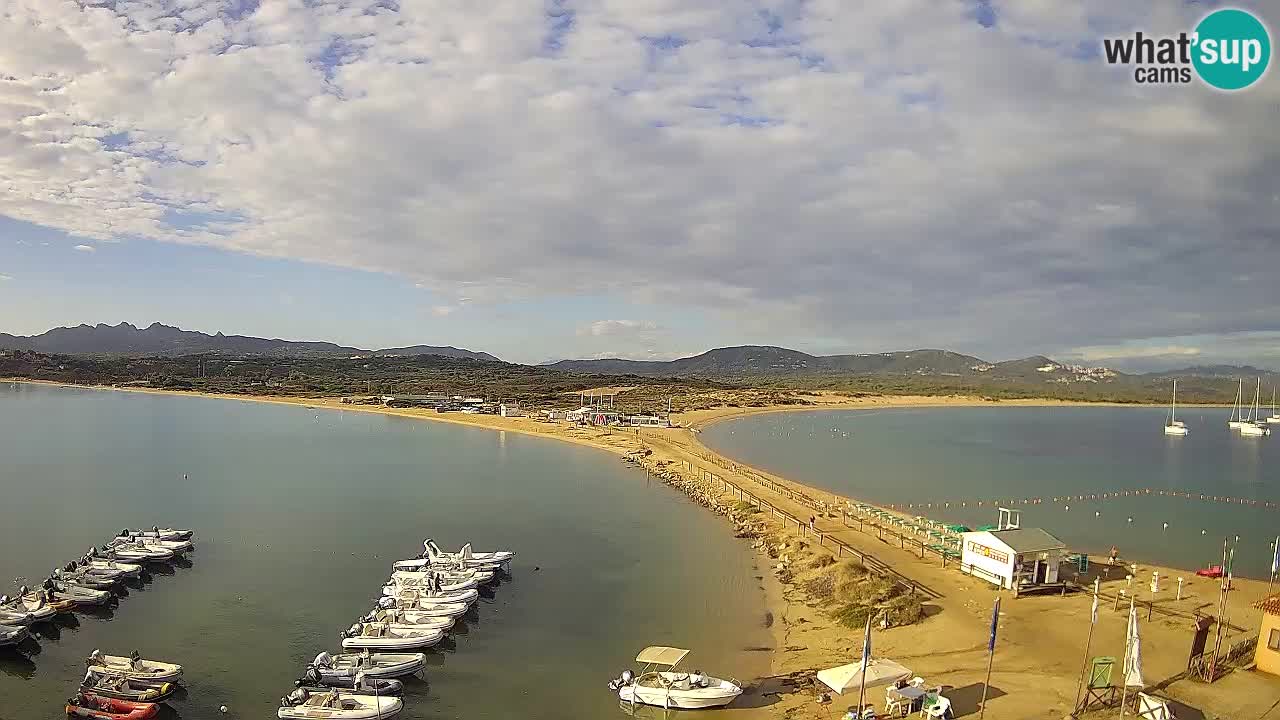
880	671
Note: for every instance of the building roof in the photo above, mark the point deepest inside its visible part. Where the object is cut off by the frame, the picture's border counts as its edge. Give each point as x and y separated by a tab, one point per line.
1028	540
1269	605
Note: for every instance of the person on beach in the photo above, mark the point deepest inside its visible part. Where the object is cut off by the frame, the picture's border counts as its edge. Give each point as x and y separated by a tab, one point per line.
1115	553
812	519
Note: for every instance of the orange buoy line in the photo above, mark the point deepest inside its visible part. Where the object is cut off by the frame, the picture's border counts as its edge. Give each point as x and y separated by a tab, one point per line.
1092	497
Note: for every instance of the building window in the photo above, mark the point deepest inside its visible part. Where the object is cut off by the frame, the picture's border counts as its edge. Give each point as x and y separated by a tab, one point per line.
1273	640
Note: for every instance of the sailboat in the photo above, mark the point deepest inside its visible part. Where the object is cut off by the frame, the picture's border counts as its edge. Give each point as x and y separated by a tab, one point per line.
1275	416
1253	428
1173	426
1236	421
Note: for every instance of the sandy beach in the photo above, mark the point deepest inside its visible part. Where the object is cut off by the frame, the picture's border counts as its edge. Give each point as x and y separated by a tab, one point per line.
1040	649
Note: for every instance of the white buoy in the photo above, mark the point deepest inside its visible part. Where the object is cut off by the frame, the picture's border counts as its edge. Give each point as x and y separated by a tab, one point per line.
222	709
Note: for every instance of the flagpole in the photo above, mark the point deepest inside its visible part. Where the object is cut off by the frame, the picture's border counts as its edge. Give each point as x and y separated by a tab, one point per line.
1275	564
991	656
866	660
1084	664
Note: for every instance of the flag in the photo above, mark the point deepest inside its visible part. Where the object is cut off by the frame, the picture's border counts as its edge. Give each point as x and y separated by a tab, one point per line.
995	622
1093	614
1133	652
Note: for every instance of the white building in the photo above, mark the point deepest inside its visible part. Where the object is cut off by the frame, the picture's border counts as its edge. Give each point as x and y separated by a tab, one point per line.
1012	557
509	410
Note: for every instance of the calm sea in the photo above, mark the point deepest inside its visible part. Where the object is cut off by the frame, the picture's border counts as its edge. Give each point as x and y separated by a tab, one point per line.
962	455
298	515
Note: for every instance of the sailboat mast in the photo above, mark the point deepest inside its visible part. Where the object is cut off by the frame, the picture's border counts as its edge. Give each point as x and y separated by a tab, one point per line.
1173	413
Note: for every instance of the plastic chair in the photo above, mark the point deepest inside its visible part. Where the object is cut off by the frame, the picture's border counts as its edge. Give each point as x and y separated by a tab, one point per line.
917	682
941	708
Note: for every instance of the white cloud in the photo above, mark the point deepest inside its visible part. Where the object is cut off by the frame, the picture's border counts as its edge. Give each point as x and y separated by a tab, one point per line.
85	248
443	310
618	327
892	174
5	277
1133	352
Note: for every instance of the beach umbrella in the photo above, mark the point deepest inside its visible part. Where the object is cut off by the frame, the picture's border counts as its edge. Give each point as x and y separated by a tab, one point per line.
1133	652
879	671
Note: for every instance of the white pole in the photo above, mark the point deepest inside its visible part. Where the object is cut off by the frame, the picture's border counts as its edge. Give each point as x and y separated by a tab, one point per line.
1124	693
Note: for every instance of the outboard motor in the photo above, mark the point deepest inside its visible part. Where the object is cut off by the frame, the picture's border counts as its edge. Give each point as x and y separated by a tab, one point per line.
386	603
4	599
622	680
313	675
323	660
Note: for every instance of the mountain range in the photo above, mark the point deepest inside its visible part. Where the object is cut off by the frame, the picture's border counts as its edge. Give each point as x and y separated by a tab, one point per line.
158	339
728	363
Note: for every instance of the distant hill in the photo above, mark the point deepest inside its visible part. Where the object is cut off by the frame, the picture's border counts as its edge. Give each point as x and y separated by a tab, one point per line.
765	360
158	339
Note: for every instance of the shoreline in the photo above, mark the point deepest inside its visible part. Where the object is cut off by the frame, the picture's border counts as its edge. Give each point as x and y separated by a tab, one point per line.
1042	633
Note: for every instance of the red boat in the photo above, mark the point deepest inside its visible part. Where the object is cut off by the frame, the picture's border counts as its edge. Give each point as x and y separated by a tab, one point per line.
87	705
1213	571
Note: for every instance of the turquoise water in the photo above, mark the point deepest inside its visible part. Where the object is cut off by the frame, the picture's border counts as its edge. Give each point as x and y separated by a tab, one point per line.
298	515
951	458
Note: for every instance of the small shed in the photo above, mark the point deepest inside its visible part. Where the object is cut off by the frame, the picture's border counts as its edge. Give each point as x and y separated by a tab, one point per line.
1014	557
1267	654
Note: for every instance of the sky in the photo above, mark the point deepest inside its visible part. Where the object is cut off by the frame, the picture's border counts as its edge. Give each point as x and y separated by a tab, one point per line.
544	179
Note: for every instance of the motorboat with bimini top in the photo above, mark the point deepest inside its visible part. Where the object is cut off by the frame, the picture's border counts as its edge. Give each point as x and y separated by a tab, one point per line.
380	636
313	681
134	667
670	688
11	635
466	555
374	665
177	546
400	619
115	685
429	608
88	705
337	705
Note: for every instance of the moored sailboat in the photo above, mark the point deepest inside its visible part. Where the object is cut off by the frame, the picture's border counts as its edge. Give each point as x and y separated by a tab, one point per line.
1236	421
1172	425
1254	427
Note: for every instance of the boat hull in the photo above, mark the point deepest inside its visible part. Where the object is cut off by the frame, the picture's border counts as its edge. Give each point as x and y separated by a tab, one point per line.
370	708
111	709
11	635
415	641
683	700
151	670
377	665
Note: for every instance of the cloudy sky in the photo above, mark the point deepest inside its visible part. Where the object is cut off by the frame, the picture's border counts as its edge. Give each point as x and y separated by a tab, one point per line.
645	178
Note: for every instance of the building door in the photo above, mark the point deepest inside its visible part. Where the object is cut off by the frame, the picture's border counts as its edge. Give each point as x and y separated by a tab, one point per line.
1042	569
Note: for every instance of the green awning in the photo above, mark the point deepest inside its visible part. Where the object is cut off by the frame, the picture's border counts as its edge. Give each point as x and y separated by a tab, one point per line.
959	528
